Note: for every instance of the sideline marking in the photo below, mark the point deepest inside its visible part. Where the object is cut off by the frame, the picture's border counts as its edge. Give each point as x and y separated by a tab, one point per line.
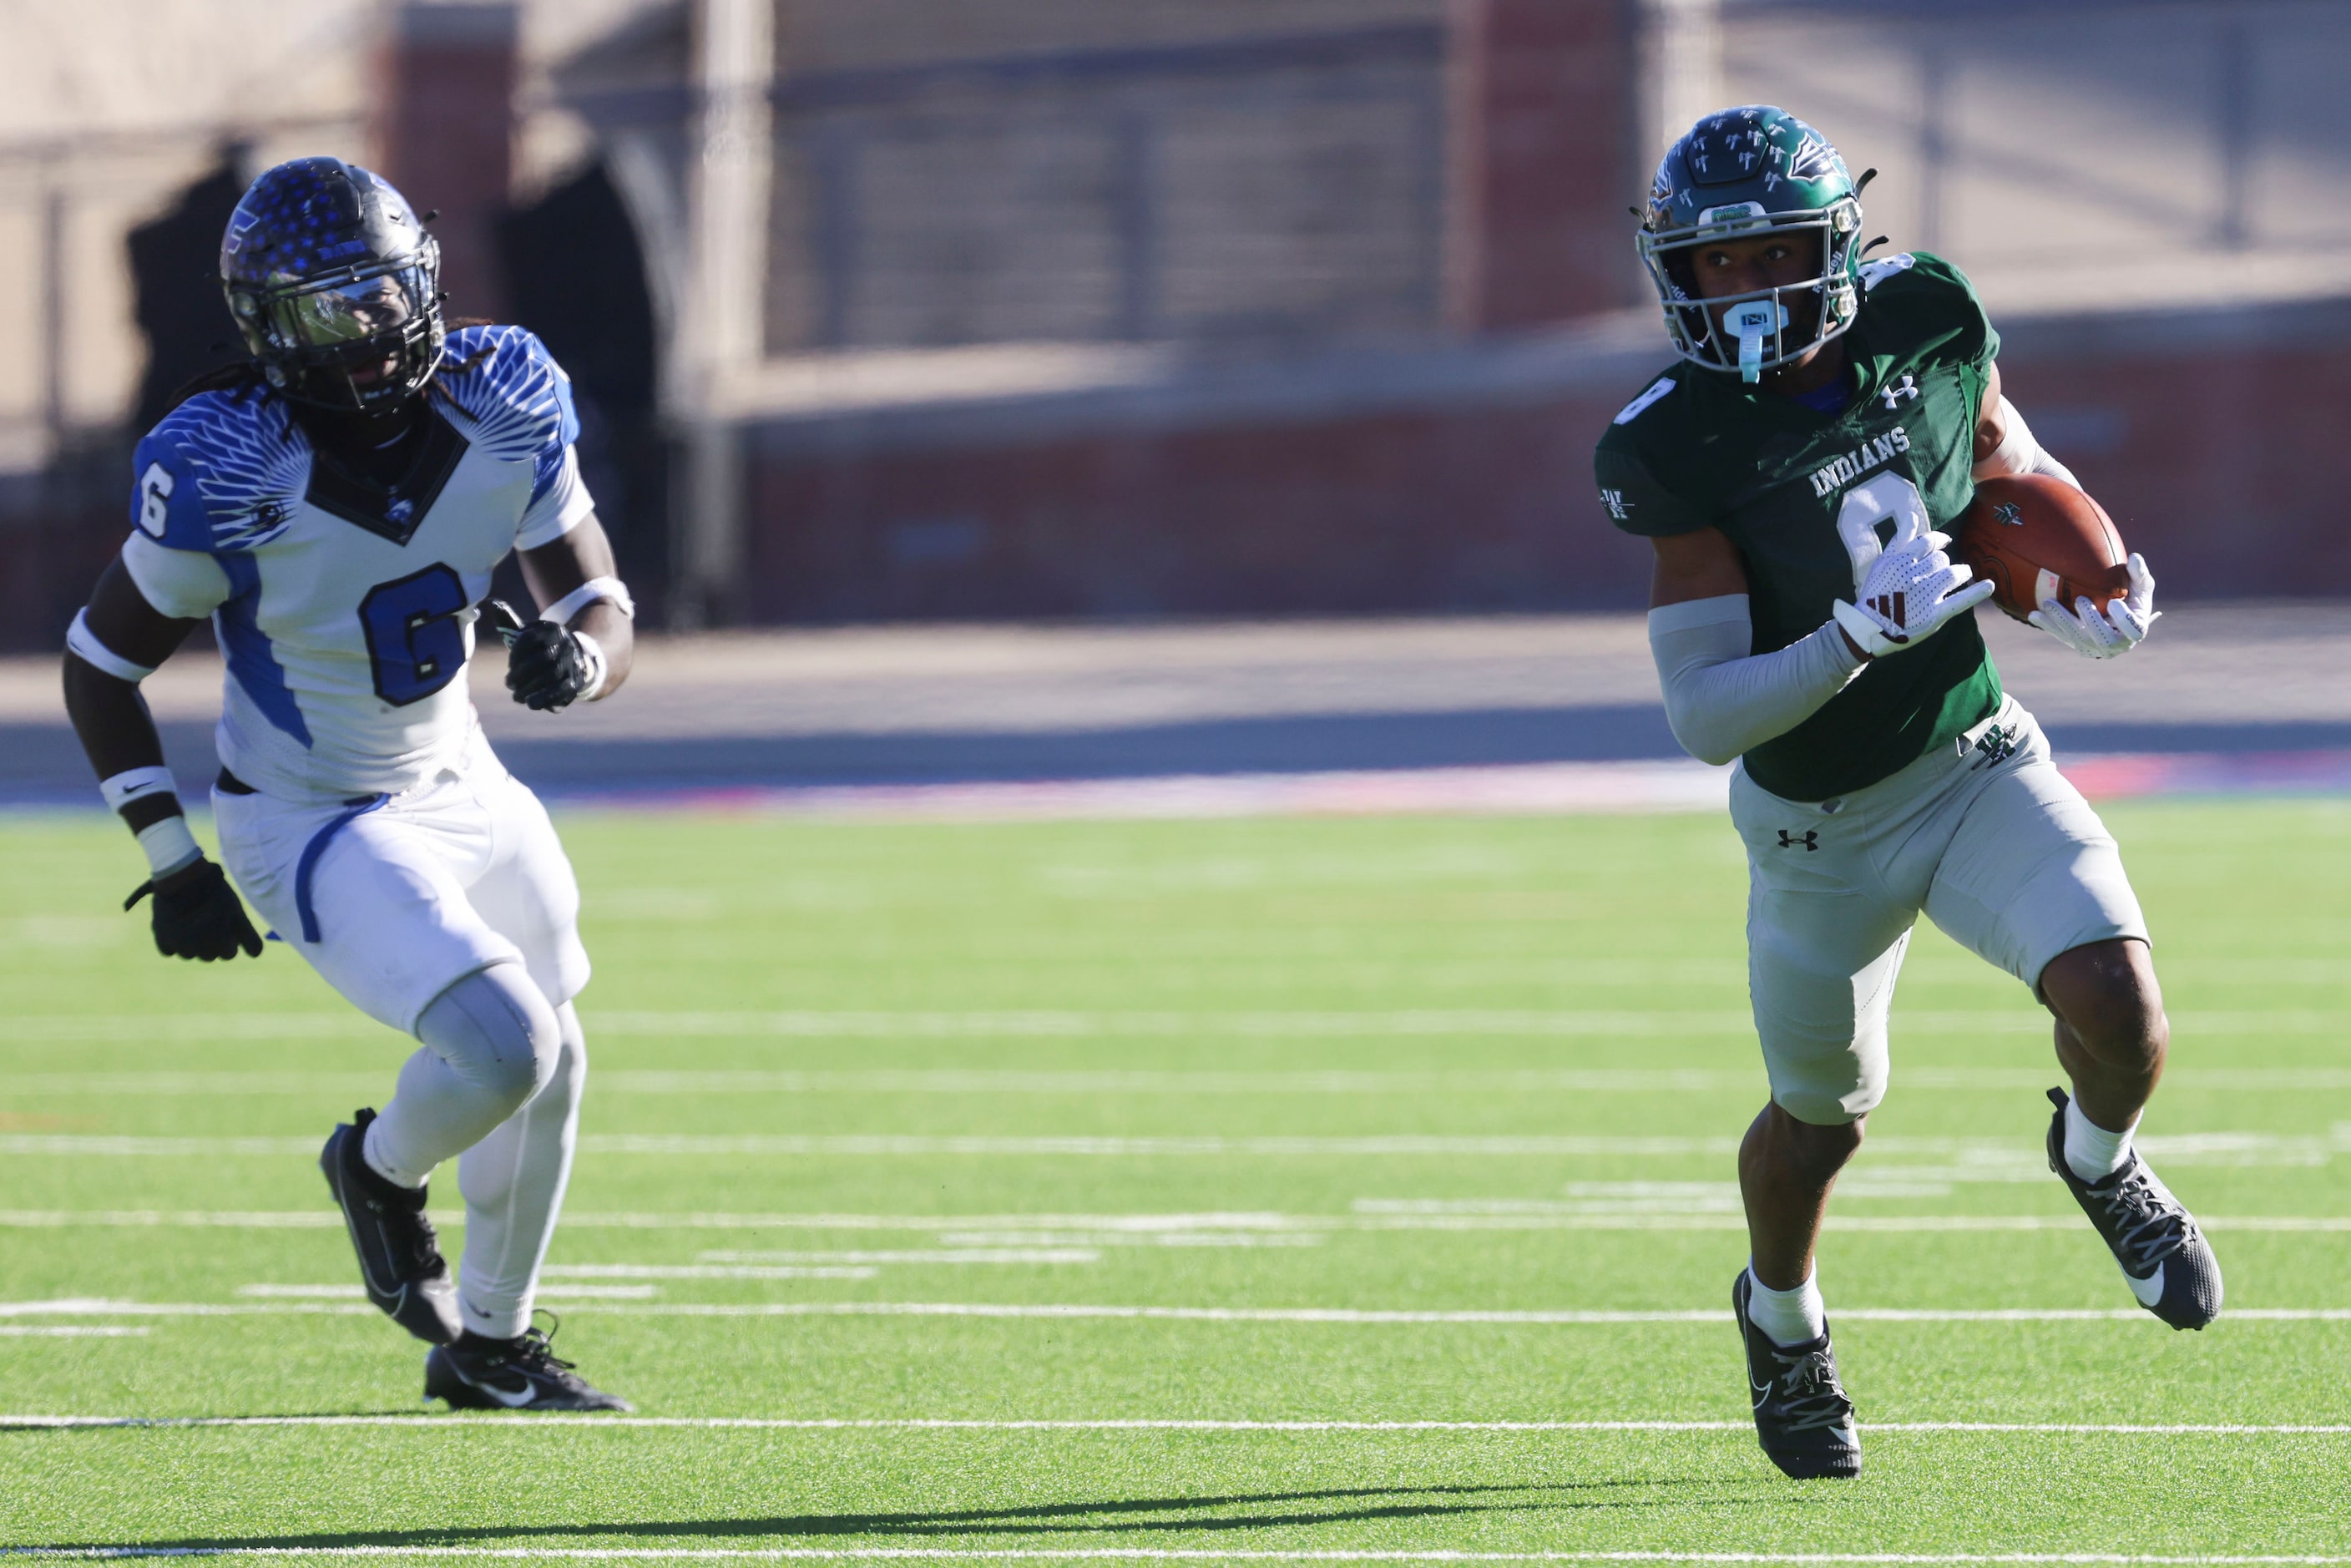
26	1331
1146	1554
99	1307
947	1424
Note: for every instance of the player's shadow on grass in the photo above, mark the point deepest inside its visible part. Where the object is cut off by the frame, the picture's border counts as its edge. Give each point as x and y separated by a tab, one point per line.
1354	1504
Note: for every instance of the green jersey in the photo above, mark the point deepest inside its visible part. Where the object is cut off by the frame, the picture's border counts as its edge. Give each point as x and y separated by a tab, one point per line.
1791	487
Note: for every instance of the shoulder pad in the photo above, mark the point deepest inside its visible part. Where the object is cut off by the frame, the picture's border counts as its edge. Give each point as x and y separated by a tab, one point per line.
223	471
518	398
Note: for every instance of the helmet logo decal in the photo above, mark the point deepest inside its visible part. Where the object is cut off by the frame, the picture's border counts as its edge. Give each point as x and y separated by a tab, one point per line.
1811	159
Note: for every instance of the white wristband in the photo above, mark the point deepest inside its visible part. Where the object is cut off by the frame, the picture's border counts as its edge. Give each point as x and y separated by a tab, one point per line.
136	784
170	846
83	643
610	588
598	666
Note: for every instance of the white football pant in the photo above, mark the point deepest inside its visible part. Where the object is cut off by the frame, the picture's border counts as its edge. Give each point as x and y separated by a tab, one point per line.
449	912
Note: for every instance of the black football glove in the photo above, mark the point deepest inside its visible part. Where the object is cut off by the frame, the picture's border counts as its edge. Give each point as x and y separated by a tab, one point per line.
198	915
546	667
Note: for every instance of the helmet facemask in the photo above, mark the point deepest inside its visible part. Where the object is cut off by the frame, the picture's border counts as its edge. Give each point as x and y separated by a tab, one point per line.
1788	321
357	340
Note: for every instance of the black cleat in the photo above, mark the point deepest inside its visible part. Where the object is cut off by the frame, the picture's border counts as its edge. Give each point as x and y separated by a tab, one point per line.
2163	1253
520	1374
1803	1418
400	1256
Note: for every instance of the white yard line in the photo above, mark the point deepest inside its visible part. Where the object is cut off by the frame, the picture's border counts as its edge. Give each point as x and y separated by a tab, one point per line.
102	1307
1059	1024
1161	1554
75	1331
551	1420
2012	1156
982	1081
816	1265
546	1293
181	1218
566	1271
1180	1147
1099	1229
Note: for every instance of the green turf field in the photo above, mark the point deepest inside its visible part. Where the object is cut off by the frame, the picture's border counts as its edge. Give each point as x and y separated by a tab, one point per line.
1346	1099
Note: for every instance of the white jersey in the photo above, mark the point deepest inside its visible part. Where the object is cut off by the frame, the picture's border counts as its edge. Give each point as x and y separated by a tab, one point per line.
345	610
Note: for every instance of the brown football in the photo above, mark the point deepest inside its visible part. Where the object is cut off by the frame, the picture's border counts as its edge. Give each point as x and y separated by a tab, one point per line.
2034	538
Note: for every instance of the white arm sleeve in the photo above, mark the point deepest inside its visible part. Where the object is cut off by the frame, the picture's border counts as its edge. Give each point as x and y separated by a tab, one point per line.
2018	453
186	585
1722	700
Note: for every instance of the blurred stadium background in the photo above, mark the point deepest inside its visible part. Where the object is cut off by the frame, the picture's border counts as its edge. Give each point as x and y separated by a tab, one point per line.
987	311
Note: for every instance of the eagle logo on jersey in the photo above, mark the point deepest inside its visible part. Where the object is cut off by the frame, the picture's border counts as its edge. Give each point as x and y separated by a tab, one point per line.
249	463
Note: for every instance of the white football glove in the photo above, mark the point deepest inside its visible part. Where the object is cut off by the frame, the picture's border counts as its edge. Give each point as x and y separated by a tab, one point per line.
1909	594
2107	634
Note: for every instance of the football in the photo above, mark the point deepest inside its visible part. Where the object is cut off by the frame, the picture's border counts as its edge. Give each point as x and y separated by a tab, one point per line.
2034	538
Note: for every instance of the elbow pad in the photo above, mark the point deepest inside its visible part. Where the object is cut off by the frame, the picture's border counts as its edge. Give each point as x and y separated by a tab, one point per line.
2019	452
1723	701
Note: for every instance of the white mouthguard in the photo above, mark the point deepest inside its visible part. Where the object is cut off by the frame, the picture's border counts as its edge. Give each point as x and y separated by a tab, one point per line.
1750	322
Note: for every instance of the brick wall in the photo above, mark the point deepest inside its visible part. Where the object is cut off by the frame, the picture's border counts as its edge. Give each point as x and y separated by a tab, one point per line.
2215	455
2214	442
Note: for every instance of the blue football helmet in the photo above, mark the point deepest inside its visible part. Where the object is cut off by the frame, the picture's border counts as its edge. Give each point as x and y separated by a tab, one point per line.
335	285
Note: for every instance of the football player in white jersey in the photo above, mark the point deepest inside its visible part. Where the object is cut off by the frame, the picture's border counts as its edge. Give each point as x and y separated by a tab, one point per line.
335	505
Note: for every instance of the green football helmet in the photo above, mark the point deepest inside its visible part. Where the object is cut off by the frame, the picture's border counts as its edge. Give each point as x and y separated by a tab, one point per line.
1740	172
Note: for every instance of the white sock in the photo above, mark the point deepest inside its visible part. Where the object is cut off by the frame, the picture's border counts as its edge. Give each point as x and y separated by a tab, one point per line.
372	1151
2092	1152
1789	1317
513	1181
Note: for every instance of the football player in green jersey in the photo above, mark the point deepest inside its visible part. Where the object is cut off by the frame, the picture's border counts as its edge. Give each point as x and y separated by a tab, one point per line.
1830	417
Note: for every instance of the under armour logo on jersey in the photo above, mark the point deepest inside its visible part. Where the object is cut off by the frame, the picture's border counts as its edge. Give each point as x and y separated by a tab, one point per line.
1808	841
1896	392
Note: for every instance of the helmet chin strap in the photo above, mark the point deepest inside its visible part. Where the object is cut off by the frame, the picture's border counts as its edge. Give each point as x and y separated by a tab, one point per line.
1750	322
